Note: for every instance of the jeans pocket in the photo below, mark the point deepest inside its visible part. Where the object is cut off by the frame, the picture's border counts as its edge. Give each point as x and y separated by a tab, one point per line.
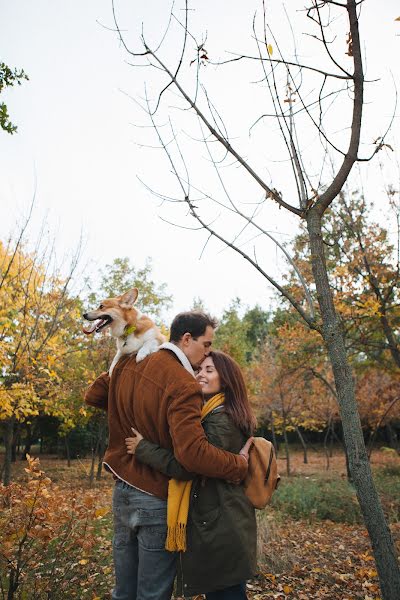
152	537
152	528
152	516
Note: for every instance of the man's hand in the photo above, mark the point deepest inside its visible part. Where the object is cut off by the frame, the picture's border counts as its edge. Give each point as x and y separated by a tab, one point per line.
132	442
246	448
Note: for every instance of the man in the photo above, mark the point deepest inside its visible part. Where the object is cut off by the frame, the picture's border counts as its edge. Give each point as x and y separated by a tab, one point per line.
160	397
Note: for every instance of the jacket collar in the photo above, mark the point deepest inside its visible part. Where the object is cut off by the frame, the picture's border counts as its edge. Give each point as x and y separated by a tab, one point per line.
180	355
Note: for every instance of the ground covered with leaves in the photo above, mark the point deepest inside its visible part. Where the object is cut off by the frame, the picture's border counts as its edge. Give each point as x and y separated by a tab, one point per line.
55	533
323	560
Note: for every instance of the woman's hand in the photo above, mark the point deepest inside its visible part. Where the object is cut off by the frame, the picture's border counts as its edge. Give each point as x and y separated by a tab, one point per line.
132	442
246	448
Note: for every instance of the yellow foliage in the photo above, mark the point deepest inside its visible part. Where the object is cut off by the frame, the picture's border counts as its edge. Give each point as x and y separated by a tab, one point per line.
20	400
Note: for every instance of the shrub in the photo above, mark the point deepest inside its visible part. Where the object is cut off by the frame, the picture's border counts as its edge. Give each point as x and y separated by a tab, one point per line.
51	541
387	481
314	498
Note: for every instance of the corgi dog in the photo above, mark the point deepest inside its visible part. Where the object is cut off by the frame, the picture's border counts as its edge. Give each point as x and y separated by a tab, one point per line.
134	332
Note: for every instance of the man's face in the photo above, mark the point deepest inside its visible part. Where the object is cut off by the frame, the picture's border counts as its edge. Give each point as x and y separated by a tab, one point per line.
196	349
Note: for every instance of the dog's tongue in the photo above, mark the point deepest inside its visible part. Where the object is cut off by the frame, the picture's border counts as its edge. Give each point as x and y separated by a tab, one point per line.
91	327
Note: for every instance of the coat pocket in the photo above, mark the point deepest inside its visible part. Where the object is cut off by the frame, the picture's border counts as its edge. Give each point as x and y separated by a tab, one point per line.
206	520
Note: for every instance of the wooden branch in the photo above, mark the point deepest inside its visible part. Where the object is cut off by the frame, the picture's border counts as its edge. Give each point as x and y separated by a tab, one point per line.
308	319
270	193
282	62
351	156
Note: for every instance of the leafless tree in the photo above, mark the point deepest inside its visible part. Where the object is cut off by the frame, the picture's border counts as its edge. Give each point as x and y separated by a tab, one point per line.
317	106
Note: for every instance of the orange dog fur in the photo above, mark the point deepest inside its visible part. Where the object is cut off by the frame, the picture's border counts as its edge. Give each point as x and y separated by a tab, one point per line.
133	331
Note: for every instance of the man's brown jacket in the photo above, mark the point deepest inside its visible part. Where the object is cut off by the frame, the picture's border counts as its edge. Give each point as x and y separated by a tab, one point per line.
162	400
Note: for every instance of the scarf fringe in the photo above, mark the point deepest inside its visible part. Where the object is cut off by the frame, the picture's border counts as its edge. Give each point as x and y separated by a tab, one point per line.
176	538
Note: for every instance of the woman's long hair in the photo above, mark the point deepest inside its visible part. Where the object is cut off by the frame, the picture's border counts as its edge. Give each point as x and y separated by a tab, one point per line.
237	403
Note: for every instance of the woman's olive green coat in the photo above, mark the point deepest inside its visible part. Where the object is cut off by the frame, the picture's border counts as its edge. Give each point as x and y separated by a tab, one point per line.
221	530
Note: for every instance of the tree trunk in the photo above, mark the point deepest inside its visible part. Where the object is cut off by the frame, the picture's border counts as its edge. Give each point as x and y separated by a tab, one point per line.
273	434
341	442
305	457
15	443
8	441
331	439
28	442
286	450
99	467
91	473
392	437
67	449
332	332
326	447
101	450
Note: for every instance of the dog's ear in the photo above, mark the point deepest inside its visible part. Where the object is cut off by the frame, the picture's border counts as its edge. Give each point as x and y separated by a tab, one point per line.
129	298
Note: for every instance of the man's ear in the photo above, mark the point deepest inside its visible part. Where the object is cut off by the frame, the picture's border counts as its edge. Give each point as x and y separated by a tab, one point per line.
185	339
129	298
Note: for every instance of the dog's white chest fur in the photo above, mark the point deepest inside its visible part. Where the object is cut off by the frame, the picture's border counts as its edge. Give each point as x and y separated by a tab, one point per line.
143	345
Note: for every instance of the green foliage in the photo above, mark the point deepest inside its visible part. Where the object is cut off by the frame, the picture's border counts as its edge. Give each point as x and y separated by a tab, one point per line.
242	337
257	323
387	480
317	498
198	304
78	443
121	276
320	498
8	78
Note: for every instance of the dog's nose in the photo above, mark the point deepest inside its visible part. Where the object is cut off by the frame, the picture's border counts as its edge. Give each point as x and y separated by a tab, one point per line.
84	315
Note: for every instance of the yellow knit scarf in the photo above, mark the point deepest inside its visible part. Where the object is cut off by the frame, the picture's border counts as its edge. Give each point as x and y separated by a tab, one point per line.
179	496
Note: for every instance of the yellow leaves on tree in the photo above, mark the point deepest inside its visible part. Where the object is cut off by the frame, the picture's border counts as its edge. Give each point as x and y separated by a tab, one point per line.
39	329
20	400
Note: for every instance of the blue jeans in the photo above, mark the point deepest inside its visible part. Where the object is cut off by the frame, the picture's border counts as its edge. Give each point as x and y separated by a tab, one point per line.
144	570
235	592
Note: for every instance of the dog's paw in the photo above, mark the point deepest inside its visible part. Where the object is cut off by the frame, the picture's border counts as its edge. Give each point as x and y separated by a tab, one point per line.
145	351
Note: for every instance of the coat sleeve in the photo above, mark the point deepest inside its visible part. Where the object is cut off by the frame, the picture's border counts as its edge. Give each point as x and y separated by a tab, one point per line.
162	460
97	394
191	447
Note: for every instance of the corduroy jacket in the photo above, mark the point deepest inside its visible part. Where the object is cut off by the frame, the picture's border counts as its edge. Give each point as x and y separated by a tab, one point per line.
163	401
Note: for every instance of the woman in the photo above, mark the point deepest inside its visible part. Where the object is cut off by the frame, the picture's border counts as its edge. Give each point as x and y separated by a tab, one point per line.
221	535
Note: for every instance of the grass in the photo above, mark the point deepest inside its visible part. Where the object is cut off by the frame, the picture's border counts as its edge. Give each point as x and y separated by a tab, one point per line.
316	494
311	498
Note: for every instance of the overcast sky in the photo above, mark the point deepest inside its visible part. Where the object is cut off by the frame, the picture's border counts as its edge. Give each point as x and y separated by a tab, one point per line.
78	135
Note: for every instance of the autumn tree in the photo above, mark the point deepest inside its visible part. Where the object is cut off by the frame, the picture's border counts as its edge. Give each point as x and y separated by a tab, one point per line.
36	316
300	98
363	265
293	383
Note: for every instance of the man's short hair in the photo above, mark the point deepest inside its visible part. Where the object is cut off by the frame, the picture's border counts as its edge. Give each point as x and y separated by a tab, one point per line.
194	322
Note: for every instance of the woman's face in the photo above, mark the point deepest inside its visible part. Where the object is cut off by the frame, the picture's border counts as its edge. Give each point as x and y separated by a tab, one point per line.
208	377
